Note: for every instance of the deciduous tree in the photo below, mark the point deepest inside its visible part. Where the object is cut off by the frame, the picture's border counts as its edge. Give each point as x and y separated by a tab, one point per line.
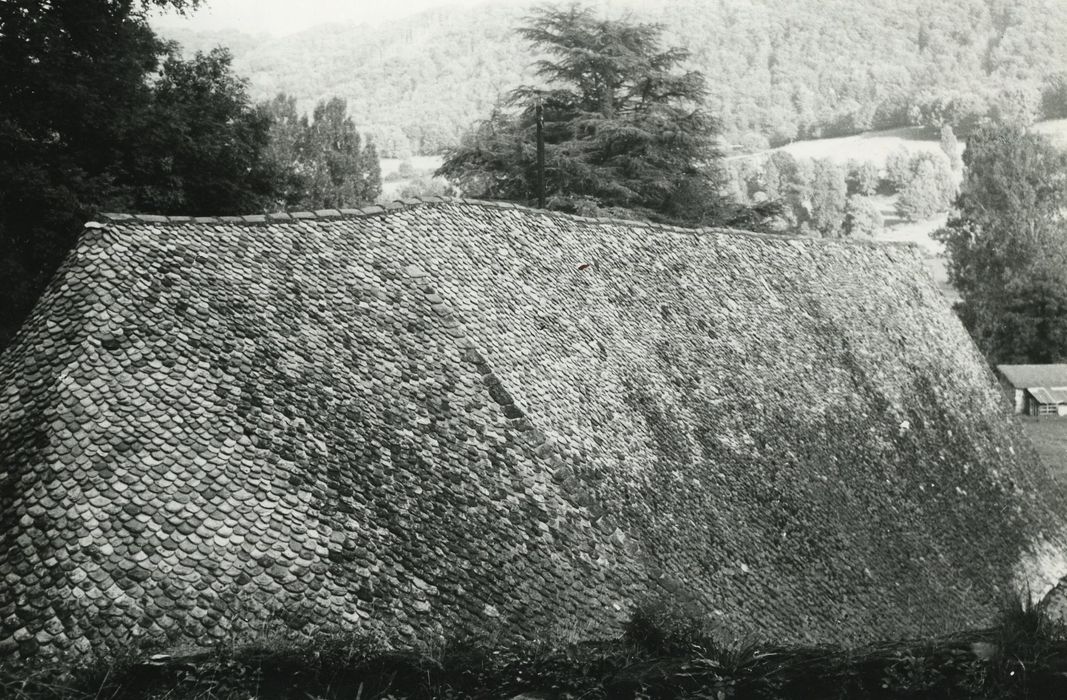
96	112
863	177
921	197
862	218
325	163
1007	248
828	196
898	170
200	147
338	171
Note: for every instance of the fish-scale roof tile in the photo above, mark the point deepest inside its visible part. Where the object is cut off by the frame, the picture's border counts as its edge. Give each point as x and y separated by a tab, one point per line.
407	415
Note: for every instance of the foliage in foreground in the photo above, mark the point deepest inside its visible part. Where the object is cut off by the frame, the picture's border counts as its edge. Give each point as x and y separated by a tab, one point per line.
98	114
665	652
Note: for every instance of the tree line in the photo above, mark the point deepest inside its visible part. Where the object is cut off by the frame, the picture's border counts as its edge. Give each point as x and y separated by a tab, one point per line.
822	197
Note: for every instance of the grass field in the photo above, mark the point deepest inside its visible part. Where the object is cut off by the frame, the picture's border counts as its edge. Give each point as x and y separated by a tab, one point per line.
419	163
423	166
1049	436
1055	130
872	146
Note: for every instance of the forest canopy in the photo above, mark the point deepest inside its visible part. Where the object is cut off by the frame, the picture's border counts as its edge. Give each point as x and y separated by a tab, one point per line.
776	71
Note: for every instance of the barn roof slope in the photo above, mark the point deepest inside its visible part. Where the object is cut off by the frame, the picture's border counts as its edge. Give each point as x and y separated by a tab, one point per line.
451	416
1027	376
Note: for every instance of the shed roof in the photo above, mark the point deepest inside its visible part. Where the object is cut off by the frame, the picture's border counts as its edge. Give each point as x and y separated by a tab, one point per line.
1048	396
456	416
1027	376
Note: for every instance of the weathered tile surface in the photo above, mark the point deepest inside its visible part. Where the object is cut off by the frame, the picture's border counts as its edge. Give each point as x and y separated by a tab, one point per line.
452	415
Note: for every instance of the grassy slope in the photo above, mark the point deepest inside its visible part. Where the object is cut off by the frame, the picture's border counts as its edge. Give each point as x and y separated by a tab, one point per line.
1049	436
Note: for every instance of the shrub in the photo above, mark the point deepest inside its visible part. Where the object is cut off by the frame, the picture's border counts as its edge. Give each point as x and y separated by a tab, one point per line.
1024	633
667	627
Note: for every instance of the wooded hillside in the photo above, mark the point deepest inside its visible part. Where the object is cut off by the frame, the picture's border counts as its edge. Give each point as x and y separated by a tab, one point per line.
777	69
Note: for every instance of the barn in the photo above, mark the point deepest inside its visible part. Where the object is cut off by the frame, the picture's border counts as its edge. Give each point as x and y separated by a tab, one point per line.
1036	390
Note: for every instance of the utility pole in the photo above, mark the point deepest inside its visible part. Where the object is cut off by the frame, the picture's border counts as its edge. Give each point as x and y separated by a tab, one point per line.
540	154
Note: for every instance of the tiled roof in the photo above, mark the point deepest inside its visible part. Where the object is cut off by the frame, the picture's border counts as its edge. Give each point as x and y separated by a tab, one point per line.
1026	376
453	416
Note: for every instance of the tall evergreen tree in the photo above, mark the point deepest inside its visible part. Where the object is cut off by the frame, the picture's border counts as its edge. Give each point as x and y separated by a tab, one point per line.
951	147
624	128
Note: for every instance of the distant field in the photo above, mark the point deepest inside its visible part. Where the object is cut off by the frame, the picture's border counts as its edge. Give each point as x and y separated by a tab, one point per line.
1049	436
872	146
1056	130
422	165
877	145
419	163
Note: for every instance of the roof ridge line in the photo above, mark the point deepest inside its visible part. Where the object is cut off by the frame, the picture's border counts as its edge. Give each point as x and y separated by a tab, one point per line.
412	202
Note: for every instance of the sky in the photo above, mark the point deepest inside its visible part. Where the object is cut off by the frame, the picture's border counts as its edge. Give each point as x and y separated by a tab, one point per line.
281	17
